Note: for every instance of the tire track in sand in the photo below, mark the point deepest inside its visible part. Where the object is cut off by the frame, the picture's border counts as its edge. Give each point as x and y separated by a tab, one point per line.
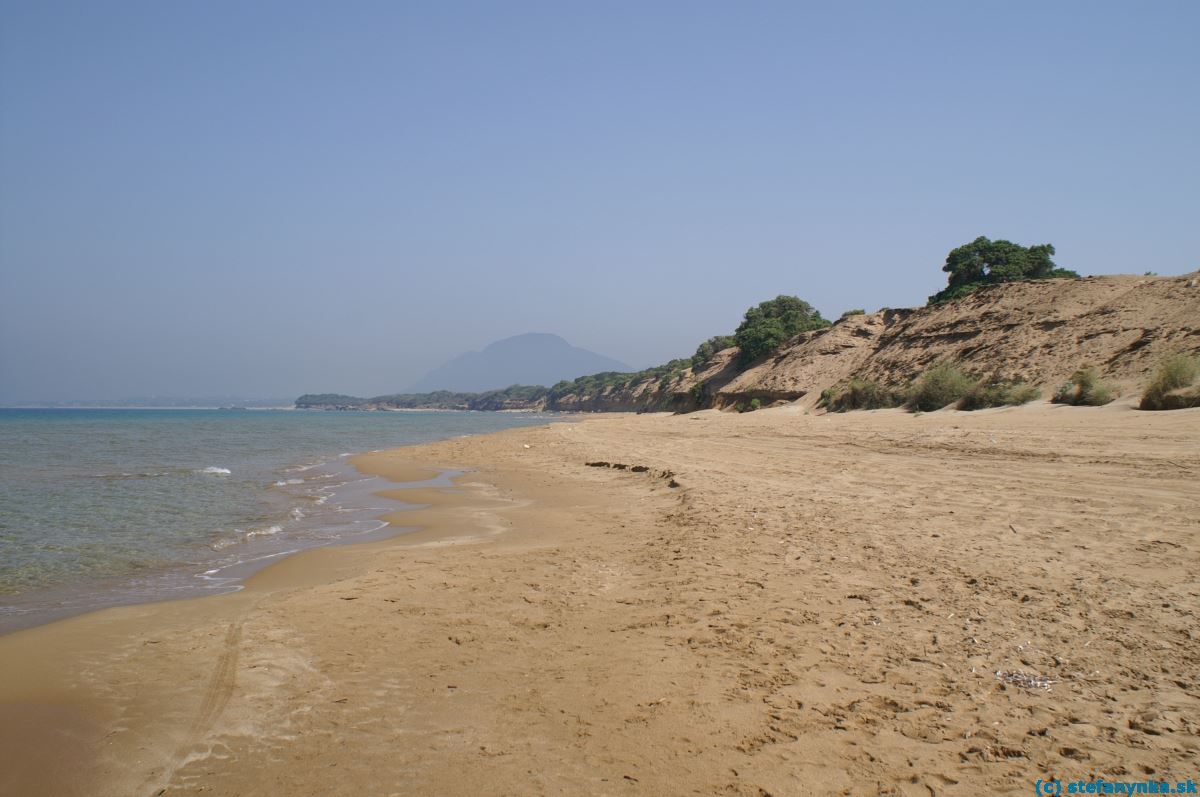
220	686
216	697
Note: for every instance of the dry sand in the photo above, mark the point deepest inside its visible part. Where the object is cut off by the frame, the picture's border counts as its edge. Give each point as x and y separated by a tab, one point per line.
821	605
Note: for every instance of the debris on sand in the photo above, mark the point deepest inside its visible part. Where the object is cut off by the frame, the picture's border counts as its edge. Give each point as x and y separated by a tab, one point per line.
1026	680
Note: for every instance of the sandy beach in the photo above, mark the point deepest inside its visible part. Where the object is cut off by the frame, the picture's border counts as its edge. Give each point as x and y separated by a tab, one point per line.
768	603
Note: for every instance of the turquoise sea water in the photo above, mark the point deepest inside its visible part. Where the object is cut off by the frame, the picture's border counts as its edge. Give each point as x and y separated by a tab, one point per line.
104	507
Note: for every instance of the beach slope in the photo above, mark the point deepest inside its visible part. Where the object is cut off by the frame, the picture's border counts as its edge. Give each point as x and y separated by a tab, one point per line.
765	603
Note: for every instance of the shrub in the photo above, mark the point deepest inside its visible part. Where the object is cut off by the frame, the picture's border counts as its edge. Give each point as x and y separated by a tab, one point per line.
859	394
770	323
1173	374
849	313
1084	388
1022	393
997	393
940	386
706	350
748	406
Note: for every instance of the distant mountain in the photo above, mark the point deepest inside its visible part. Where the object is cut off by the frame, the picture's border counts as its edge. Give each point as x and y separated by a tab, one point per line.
535	358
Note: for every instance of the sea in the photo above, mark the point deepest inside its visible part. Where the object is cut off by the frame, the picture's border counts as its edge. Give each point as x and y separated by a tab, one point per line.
106	507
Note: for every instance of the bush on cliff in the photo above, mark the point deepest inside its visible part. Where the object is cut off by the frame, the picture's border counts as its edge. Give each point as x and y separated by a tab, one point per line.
709	348
986	262
1166	390
770	323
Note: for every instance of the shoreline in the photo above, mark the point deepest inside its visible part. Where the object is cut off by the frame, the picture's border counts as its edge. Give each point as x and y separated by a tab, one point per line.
199	579
823	600
56	735
305	495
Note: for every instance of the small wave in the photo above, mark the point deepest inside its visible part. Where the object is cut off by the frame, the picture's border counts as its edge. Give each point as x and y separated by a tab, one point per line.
215	471
286	482
244	536
149	474
376	525
297	513
211	575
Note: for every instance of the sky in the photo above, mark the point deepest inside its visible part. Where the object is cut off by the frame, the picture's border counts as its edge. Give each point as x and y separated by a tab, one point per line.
271	198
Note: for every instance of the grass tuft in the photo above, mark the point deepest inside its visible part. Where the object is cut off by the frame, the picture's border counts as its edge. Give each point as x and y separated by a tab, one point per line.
1084	388
997	393
942	385
859	394
1166	390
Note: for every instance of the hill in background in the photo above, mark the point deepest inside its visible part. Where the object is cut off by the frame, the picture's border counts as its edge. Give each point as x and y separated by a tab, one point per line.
535	358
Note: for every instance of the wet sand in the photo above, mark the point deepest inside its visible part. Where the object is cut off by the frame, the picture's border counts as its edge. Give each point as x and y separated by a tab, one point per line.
826	604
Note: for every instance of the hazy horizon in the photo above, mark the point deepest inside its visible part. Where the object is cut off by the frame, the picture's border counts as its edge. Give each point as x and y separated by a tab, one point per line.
272	199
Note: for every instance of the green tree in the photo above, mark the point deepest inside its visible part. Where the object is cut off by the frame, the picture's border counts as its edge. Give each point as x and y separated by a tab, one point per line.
772	322
986	262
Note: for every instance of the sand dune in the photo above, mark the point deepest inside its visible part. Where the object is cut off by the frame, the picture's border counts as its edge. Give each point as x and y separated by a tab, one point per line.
865	603
1038	332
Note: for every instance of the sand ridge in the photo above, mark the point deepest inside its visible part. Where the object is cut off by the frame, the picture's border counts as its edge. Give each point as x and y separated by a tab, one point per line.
835	604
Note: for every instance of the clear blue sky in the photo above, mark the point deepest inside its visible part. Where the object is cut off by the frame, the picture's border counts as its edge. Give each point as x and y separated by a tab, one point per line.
268	198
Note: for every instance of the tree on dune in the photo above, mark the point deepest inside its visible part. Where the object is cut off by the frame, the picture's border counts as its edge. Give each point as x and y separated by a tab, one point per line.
986	262
770	323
